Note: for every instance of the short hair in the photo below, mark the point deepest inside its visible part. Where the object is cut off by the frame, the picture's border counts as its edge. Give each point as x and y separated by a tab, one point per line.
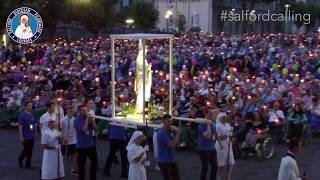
26	103
294	142
87	101
81	106
50	104
165	117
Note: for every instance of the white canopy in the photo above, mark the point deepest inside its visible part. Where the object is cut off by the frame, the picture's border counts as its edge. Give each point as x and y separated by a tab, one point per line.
141	36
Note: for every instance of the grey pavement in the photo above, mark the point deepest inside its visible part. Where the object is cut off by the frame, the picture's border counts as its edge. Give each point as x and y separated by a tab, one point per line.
188	161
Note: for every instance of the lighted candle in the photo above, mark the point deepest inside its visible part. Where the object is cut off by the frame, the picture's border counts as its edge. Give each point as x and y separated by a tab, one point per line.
233	98
177	78
235	69
248	80
130	73
161	73
97	79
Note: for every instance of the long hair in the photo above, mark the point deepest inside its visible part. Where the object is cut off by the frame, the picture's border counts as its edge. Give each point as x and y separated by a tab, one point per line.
297	113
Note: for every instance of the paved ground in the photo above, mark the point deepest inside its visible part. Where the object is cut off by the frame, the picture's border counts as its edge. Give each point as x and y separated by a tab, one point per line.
249	169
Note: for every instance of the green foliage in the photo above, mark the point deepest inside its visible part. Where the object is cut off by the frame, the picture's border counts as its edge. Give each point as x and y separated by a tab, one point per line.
181	22
153	111
127	109
94	14
303	8
144	14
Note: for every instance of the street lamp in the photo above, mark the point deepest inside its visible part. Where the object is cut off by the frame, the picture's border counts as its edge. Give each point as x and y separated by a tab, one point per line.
286	16
129	21
167	16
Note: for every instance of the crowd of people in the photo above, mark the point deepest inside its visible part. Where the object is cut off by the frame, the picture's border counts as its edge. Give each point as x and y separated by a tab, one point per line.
255	81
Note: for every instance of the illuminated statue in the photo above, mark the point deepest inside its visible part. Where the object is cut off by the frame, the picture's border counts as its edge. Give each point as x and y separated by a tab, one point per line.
138	86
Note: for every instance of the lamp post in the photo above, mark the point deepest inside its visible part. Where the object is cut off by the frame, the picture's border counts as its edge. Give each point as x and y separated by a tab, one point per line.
129	23
286	16
167	16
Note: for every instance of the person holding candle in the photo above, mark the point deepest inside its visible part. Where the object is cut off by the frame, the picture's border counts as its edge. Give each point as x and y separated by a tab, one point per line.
52	162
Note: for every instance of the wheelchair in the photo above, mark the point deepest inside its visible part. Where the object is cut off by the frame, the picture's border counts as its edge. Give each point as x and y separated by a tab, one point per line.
264	148
306	136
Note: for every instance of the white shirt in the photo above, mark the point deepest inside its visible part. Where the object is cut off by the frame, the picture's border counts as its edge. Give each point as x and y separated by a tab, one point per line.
273	115
288	169
44	120
68	130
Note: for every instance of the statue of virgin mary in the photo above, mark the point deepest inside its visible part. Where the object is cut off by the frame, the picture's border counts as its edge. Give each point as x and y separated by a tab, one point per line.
138	86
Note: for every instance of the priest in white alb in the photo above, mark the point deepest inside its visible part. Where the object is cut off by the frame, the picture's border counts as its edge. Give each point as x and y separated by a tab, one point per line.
288	168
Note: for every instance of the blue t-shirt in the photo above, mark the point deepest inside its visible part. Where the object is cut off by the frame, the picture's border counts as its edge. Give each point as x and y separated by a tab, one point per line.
118	133
28	123
84	139
203	143
165	153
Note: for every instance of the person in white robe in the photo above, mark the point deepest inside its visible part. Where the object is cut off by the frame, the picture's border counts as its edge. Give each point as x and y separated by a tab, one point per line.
52	162
24	31
136	157
225	158
288	168
48	116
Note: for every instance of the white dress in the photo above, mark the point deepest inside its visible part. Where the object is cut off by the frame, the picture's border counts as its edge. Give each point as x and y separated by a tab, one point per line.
137	171
222	150
23	35
50	157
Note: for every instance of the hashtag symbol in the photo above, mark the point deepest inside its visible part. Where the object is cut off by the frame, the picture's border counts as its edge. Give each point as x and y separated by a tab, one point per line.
223	15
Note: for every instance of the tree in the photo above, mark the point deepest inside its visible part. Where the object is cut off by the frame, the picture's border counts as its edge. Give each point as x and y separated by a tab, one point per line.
302	8
145	16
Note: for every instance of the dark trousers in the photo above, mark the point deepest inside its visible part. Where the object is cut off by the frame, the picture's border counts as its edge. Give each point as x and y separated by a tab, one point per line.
295	130
27	151
169	171
91	153
208	157
117	145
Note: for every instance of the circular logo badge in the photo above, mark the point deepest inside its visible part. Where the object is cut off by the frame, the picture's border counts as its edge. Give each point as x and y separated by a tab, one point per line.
24	25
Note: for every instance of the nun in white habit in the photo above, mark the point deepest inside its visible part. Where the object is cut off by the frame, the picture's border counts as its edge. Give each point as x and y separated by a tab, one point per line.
50	141
225	158
136	157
